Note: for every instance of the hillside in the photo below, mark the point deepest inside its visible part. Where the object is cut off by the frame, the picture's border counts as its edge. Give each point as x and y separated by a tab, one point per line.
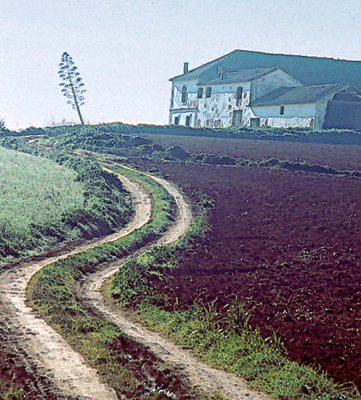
53	200
34	192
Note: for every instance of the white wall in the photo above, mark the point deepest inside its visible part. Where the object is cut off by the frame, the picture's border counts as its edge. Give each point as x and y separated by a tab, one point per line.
295	115
176	100
216	111
182	116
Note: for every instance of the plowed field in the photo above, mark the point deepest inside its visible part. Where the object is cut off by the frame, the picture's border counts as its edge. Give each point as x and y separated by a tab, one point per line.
287	245
336	156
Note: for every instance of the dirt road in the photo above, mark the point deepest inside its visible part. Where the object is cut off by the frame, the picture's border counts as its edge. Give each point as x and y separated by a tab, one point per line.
40	345
198	374
54	359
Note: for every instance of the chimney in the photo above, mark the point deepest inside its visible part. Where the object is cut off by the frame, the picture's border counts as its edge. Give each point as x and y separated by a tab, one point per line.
185	67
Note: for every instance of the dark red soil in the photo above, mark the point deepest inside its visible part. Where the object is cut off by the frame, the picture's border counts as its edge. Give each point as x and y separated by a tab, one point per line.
338	156
14	375
156	379
155	382
288	245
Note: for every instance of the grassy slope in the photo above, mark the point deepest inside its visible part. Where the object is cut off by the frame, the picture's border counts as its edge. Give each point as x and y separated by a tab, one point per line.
33	191
104	205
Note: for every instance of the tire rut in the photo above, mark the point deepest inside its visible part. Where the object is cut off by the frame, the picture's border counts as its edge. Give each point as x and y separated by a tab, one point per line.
40	344
199	375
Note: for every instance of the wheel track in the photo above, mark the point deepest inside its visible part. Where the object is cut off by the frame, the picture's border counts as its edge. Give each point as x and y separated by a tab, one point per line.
46	352
198	374
41	346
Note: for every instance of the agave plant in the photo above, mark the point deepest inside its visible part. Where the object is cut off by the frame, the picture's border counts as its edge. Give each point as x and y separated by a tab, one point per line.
72	84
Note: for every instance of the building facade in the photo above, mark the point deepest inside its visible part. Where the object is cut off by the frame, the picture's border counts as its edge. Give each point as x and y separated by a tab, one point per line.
221	94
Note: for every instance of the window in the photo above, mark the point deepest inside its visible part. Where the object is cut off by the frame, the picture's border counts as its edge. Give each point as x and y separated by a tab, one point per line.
255	122
282	110
184	94
208	92
176	120
188	120
239	93
200	93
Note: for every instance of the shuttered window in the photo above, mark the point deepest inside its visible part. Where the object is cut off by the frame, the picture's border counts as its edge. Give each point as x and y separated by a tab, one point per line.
239	93
184	94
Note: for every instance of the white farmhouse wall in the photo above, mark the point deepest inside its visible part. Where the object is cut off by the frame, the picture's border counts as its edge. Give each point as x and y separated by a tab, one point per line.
295	115
294	122
217	110
270	82
191	102
181	110
182	117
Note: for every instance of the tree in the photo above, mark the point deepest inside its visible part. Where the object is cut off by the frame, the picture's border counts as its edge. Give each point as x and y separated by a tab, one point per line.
72	84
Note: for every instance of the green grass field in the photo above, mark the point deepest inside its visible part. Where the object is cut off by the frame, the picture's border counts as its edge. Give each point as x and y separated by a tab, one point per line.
34	192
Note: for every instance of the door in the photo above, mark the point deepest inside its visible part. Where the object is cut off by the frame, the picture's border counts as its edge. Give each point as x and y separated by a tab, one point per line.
237	118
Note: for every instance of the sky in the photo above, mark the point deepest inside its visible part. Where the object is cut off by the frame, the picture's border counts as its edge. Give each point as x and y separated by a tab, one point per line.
126	50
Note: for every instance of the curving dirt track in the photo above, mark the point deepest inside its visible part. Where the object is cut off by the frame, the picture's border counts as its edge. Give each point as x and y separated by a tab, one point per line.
44	350
198	374
40	345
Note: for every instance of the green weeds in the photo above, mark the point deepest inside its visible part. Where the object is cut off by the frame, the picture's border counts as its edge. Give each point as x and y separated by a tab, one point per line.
11	392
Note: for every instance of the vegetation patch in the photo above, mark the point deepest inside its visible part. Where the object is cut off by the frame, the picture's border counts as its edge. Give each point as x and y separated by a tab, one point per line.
35	193
55	199
296	135
299	135
103	139
11	392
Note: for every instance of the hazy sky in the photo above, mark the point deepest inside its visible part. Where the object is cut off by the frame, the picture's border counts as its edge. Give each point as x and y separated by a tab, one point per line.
127	50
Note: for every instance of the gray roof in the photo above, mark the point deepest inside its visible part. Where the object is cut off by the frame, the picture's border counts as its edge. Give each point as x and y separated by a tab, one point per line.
297	95
244	75
307	70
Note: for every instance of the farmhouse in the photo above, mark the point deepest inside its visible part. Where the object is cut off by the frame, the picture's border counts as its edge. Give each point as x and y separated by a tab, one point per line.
251	89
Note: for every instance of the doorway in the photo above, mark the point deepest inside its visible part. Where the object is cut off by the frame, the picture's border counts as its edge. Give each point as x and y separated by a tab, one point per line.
237	118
